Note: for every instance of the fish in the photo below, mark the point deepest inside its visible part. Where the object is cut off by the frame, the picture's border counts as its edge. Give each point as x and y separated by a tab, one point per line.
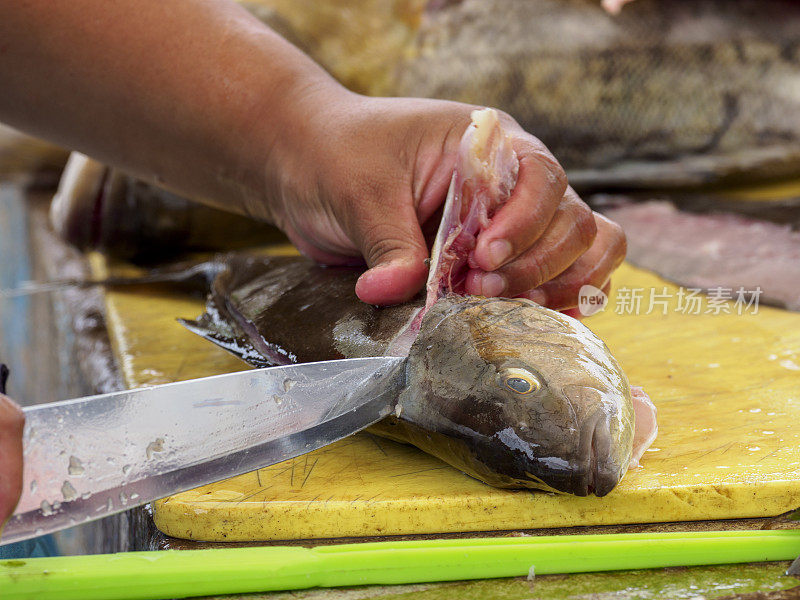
509	392
685	93
747	251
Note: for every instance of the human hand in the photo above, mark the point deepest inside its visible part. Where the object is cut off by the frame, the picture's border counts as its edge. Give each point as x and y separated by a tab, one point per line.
11	425
367	177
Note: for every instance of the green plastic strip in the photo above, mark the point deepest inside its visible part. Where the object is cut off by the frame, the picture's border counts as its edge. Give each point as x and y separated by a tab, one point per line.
182	574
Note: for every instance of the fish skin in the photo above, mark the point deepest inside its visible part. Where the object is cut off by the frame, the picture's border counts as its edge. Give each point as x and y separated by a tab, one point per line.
572	74
280	310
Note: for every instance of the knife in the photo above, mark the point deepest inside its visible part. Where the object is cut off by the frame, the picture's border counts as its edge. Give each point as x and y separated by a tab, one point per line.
88	458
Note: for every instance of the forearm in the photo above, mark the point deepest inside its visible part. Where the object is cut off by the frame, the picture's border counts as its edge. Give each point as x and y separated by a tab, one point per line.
195	94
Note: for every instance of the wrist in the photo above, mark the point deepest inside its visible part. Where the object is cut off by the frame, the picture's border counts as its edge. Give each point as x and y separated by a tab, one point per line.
286	118
297	133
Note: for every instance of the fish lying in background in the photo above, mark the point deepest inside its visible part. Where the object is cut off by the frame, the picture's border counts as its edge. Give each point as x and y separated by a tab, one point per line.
665	94
505	390
715	244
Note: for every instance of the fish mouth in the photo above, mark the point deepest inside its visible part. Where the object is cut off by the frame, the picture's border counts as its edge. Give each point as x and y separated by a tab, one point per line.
592	469
597	472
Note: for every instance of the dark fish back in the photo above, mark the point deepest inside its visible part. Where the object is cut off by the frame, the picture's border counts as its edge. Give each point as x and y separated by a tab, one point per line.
282	310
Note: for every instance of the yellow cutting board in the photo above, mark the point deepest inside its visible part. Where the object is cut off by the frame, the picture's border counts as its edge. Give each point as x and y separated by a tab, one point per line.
727	388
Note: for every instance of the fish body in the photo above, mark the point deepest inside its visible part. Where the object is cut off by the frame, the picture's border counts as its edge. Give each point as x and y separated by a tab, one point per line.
508	391
567	425
664	94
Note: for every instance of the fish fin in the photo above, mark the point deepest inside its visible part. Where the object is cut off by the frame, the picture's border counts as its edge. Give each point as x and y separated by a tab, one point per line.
227	338
645	428
484	177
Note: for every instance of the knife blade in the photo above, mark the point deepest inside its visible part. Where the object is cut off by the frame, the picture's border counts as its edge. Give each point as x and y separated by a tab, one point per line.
88	458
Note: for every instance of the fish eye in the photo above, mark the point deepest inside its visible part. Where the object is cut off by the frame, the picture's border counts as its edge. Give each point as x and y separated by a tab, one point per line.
520	381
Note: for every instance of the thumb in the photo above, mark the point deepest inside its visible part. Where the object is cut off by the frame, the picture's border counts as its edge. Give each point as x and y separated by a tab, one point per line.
392	243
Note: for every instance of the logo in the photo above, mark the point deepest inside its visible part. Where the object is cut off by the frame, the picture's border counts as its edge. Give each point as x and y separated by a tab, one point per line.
591	300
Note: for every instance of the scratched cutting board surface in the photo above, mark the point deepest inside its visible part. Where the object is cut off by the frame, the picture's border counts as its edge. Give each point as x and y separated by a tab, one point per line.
727	388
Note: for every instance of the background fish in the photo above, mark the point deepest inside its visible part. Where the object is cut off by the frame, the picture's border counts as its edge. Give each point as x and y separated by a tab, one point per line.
510	392
664	94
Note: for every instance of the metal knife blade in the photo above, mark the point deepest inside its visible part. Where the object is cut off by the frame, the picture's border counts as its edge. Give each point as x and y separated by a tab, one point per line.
92	457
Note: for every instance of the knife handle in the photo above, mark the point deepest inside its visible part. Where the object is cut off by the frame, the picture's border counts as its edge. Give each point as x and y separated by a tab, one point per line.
182	574
3	378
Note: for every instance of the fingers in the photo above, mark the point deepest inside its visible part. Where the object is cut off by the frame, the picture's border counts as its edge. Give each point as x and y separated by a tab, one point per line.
12	421
569	234
392	243
594	267
541	185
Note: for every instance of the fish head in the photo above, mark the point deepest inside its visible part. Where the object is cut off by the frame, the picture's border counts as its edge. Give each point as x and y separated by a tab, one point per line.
531	397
